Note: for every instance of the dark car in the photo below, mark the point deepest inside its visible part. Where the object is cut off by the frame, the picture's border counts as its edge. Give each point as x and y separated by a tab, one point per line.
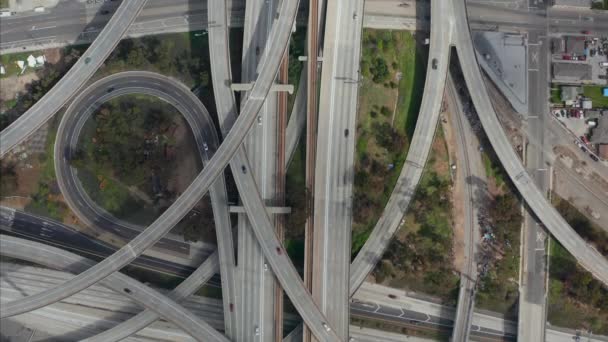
111	89
243	168
105	12
434	63
127	290
592	156
279	251
346	132
392	296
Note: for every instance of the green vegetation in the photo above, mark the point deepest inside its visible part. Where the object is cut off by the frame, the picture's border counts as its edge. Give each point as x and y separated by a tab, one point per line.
420	257
4	3
576	300
556	95
296	49
295	194
498	289
8	181
589	231
600	4
47	77
596	96
9	61
128	143
389	100
493	168
46	200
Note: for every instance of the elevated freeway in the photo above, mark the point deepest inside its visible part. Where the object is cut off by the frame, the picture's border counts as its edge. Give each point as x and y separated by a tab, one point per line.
67	143
442	30
74	79
334	165
256	281
37	228
221	76
148	298
269	66
202	127
585	254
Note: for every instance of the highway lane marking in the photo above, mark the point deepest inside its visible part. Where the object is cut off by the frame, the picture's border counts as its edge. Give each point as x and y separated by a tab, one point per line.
34	28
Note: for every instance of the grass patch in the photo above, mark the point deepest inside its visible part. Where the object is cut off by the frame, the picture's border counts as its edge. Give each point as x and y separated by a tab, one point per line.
556	95
493	169
596	96
389	100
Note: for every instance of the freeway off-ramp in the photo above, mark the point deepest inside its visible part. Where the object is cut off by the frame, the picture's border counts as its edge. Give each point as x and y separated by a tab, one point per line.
148	298
83	107
584	253
201	125
373	249
260	219
269	66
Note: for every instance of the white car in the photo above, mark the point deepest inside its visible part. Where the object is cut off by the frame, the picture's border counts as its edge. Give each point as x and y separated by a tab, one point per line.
327	328
259	120
256	331
205	147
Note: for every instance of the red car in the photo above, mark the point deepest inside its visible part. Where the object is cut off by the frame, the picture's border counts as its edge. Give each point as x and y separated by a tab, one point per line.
585	32
584	139
279	251
566	57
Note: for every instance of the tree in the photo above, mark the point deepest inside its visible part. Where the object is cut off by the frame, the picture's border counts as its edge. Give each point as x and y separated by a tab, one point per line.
385	111
8	180
379	70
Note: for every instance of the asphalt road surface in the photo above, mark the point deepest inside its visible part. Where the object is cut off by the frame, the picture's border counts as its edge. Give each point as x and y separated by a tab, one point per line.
334	165
144	295
42	229
588	257
390	221
74	79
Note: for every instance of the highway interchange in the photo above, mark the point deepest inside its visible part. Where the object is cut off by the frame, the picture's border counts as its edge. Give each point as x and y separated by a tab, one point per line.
452	29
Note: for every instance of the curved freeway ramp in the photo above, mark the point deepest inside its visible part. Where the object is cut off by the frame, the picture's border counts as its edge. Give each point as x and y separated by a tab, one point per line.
260	220
74	79
56	258
277	256
390	221
585	254
168	90
225	103
82	108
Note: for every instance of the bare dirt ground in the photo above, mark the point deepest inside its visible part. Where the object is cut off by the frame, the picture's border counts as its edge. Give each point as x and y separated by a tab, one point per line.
457	192
186	166
11	86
